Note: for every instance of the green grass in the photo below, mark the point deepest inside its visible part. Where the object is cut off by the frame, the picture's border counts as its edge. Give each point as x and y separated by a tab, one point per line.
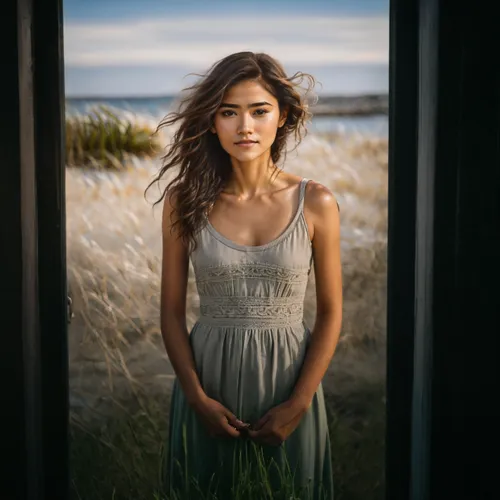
357	433
103	140
122	457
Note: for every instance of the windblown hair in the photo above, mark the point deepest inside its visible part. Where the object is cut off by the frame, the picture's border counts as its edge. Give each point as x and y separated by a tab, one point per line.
204	166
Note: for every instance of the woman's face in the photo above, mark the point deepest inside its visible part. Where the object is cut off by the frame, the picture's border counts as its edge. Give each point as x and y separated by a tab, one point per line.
247	121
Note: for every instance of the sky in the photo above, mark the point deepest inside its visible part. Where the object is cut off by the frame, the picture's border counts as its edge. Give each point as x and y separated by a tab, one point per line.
124	48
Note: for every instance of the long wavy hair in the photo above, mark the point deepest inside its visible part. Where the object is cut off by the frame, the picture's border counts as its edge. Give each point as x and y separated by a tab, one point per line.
204	166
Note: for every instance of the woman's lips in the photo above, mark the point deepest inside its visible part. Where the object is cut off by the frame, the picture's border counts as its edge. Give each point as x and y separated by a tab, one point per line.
246	144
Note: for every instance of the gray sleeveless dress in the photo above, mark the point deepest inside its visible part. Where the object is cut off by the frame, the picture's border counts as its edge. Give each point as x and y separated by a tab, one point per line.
249	344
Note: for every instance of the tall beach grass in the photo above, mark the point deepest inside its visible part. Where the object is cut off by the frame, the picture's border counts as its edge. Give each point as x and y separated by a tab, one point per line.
102	139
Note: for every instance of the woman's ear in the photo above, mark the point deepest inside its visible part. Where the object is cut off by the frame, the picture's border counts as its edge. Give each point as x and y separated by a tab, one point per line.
283	117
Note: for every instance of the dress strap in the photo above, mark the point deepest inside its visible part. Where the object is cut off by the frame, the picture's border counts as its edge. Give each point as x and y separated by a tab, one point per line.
302	192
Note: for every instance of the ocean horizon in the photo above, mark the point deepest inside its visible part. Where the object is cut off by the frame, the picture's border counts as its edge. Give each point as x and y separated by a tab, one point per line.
365	114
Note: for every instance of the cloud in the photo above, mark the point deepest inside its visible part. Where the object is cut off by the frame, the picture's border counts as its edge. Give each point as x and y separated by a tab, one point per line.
198	42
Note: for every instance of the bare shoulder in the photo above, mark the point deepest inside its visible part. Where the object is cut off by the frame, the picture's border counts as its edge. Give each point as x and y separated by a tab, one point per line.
318	196
319	202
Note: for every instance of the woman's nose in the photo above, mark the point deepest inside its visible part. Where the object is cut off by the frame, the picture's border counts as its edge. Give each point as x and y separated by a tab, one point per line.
245	125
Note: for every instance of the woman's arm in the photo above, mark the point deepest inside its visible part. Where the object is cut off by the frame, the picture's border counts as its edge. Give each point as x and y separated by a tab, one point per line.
322	210
174	275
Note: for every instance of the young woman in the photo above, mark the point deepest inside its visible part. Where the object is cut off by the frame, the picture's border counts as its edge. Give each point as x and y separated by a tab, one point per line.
247	400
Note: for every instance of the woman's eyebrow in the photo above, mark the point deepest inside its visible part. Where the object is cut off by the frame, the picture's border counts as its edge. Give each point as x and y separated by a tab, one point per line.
253	105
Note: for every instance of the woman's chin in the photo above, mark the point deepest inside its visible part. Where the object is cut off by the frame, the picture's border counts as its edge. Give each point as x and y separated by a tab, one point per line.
245	155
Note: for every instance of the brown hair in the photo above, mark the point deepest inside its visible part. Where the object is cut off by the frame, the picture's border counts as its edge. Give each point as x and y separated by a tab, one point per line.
205	166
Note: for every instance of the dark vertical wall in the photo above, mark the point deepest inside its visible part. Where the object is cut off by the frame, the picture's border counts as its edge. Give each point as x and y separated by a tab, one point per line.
443	384
33	354
12	377
20	330
466	278
403	120
50	150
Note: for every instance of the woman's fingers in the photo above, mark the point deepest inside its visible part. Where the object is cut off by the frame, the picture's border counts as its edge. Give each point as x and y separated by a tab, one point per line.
235	422
260	435
262	422
229	429
230	425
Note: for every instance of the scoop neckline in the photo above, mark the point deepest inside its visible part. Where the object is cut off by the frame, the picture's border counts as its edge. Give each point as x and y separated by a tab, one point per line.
256	248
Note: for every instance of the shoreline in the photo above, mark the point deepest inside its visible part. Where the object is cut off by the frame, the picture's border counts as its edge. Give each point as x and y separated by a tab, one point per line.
362	105
375	111
341	106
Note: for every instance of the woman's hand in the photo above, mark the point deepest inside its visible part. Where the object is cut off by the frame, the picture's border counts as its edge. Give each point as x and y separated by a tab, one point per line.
278	423
218	420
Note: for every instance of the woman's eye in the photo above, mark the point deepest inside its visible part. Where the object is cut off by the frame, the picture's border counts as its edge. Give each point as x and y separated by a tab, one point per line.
258	112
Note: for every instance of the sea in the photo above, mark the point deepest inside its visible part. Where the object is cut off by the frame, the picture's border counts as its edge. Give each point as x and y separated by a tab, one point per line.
153	109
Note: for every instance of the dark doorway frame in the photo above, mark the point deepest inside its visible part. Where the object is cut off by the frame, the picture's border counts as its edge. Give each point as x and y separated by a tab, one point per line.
442	105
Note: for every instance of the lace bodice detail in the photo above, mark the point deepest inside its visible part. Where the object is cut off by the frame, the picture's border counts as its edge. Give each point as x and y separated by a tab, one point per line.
251	287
